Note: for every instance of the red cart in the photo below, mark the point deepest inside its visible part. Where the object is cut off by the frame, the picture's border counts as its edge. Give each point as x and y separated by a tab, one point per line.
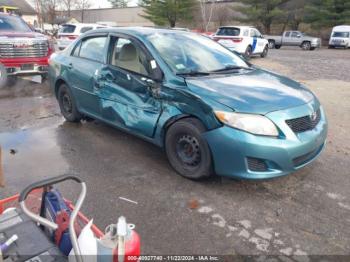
30	202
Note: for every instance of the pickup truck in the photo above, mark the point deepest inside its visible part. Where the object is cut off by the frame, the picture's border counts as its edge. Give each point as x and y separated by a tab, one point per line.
23	52
294	38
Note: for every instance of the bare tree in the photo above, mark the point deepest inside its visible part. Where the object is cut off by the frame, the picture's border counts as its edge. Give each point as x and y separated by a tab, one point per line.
207	13
48	10
82	5
68	5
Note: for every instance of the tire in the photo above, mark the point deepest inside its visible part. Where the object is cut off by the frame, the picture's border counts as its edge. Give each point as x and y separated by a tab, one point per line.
306	46
272	44
277	46
265	52
248	52
5	79
186	149
312	48
3	76
68	105
331	47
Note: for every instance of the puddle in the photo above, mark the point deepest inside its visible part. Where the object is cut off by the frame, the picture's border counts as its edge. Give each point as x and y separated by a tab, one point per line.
28	156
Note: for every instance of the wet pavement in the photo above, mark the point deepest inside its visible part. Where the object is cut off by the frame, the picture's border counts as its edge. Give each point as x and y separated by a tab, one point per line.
307	212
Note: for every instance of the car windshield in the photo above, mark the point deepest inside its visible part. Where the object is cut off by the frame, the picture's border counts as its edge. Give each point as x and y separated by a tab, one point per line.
67	29
13	23
341	34
189	52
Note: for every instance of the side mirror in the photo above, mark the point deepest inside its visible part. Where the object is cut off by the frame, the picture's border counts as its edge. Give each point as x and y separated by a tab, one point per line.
157	74
298	36
261	36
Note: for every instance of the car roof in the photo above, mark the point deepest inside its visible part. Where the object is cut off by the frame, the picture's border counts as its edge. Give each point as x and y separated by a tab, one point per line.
137	31
239	26
81	24
342	28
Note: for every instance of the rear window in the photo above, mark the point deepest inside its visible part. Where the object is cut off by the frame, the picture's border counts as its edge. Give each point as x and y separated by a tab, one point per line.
13	23
85	29
67	29
340	34
229	31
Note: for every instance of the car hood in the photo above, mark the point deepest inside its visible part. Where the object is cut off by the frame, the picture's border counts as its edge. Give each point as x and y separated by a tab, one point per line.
257	91
13	34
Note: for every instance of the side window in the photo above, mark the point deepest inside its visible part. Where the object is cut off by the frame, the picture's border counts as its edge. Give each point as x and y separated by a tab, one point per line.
252	34
93	48
294	34
127	55
85	29
287	34
246	33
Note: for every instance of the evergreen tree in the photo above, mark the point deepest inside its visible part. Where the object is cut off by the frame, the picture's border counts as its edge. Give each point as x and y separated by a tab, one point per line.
327	13
167	12
262	12
119	3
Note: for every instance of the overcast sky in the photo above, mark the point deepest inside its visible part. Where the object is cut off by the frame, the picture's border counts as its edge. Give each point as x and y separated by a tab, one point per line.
98	3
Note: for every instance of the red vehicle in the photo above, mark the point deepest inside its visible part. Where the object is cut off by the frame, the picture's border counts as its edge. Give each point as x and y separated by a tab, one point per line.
22	51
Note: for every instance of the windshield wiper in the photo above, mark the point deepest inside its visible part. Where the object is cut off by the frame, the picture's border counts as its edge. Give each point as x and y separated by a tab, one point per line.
193	73
231	67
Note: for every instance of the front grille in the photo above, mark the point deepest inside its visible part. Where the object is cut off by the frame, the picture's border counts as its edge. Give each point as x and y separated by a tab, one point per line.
256	164
305	123
24	49
306	158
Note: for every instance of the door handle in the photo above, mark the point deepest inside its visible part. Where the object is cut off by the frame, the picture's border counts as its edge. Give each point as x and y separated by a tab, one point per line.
109	77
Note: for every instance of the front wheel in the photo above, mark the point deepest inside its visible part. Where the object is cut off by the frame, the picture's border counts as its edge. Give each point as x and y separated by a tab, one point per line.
67	104
265	52
306	46
277	46
186	149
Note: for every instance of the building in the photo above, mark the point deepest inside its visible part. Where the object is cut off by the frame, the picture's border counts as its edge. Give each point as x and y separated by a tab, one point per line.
21	7
121	16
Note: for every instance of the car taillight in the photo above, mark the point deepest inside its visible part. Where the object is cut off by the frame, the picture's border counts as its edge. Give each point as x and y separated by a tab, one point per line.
237	40
72	37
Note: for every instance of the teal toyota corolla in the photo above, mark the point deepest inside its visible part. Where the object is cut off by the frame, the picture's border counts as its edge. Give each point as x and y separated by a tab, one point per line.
211	111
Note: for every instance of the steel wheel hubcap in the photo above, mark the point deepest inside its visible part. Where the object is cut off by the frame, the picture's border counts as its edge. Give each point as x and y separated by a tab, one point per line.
67	103
188	151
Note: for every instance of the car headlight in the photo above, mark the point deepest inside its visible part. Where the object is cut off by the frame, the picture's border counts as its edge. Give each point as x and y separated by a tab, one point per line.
255	124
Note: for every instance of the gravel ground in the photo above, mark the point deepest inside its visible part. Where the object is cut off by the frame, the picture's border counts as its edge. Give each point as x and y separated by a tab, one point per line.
305	213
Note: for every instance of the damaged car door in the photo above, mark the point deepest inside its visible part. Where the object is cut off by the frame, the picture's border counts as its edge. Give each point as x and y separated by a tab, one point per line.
127	87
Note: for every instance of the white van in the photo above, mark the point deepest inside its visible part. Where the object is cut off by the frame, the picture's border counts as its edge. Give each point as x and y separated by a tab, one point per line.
340	37
69	32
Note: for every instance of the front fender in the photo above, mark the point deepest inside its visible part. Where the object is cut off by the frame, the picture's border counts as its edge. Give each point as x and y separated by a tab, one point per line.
178	104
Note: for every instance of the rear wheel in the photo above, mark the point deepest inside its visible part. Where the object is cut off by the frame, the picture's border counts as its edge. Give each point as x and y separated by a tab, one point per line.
272	44
68	105
186	149
306	46
265	52
248	52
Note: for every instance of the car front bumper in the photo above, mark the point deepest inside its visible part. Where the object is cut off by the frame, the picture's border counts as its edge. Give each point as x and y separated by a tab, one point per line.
231	148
